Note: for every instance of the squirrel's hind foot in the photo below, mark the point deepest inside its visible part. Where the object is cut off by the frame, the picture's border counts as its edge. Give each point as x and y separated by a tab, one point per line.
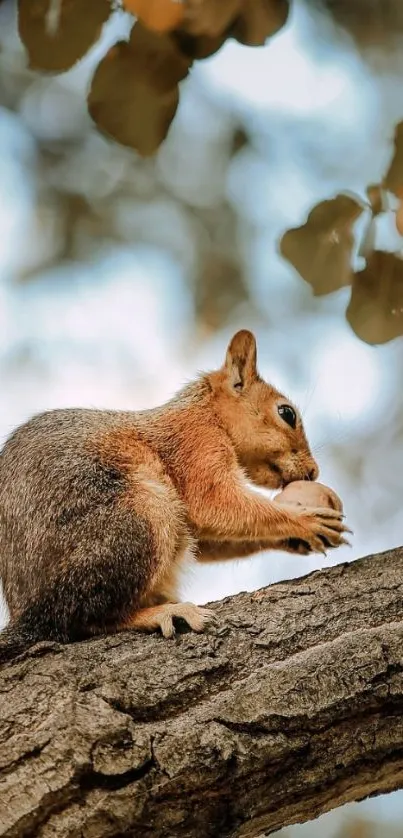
162	617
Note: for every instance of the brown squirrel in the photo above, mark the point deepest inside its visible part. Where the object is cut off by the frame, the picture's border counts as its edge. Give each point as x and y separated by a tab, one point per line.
98	509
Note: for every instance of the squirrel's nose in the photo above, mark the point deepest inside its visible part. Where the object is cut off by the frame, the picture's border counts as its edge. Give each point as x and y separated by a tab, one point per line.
312	473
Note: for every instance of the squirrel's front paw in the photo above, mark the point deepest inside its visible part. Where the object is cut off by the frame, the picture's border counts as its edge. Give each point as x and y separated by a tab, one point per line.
317	529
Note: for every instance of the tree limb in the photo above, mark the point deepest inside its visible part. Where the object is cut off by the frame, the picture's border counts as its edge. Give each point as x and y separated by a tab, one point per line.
291	706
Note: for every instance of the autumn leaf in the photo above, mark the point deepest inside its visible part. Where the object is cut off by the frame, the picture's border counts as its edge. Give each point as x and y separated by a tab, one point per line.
134	91
321	249
58	33
375	311
159	15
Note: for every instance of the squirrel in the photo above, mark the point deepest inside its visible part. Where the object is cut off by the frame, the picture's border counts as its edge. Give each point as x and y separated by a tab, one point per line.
99	509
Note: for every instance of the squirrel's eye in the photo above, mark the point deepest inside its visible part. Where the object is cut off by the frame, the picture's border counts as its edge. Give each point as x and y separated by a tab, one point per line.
288	414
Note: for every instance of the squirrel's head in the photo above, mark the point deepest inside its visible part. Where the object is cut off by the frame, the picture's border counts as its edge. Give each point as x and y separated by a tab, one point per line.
265	427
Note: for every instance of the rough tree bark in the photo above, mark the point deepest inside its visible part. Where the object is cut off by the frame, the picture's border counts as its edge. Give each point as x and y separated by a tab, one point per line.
291	706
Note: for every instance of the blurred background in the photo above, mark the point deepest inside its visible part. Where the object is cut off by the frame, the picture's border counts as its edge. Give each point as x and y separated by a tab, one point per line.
121	277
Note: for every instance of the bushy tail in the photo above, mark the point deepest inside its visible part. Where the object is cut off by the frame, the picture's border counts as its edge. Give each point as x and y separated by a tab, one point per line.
15	639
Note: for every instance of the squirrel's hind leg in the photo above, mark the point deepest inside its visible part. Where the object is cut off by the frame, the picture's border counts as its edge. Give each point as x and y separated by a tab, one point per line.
118	558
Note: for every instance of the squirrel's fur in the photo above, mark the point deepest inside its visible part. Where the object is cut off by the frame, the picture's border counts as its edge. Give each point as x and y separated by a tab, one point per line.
98	509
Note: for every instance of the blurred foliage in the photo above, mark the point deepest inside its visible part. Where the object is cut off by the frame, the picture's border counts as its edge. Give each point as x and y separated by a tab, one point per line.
371	22
393	180
134	93
360	827
321	250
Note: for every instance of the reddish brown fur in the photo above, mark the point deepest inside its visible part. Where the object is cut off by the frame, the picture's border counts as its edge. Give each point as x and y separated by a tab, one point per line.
109	504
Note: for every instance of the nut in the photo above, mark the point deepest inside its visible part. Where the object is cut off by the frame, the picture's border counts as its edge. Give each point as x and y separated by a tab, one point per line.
305	493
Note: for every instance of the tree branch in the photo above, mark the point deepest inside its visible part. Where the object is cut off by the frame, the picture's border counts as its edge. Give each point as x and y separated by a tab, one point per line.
291	706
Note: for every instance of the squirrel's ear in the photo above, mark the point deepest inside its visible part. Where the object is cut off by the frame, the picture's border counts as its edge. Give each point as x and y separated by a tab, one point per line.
240	361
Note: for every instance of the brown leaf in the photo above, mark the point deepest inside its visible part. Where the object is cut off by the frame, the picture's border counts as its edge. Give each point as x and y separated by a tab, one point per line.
259	19
134	92
56	43
375	311
320	250
394	177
